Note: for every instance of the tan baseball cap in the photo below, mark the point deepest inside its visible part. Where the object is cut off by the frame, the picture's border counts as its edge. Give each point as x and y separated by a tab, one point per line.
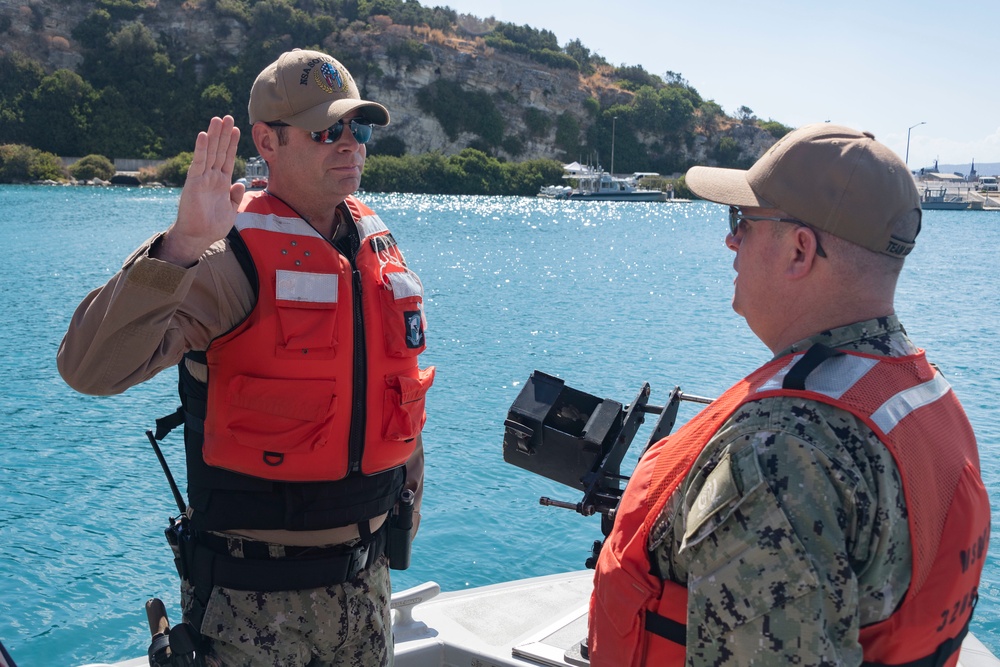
830	177
309	90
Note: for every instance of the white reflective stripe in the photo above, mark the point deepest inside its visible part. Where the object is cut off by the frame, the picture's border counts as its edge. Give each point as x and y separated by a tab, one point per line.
899	406
831	378
835	376
302	286
371	224
405	284
275	223
778	378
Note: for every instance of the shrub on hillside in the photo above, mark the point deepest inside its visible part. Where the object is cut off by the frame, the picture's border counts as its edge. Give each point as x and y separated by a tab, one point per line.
774	128
174	171
23	164
92	166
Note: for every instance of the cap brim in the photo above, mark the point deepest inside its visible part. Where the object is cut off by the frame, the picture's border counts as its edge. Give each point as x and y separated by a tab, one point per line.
724	186
323	116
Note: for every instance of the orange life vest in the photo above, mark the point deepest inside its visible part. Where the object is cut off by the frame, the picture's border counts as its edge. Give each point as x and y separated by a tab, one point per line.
638	619
321	378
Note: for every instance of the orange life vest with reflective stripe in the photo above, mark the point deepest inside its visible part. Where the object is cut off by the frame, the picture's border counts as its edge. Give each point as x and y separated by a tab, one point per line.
321	378
637	619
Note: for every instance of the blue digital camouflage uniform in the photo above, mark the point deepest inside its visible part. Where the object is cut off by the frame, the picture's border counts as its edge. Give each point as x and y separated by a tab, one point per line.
347	625
791	532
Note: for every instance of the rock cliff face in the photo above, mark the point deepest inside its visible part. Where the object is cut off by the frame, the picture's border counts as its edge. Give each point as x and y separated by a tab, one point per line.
42	30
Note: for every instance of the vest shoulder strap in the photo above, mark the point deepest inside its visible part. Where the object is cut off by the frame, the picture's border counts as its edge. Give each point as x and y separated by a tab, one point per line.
814	356
242	253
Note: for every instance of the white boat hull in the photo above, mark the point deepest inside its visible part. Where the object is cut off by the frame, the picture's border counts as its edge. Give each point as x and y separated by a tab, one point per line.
523	623
651	195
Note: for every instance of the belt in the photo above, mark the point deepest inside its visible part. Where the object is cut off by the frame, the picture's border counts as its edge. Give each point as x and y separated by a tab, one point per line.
244	547
264	568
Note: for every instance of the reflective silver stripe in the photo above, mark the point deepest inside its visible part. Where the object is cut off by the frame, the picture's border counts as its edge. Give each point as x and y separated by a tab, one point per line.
405	284
310	287
371	224
899	406
275	223
831	378
778	378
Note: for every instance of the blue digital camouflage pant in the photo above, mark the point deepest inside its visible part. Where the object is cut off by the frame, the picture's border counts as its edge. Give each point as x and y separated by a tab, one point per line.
344	625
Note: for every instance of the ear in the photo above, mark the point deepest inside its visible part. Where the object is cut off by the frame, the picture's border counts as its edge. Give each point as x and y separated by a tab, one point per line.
266	140
802	246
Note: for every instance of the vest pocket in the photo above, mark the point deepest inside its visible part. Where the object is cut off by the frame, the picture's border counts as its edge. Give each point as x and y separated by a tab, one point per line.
403	410
618	606
403	314
282	416
306	304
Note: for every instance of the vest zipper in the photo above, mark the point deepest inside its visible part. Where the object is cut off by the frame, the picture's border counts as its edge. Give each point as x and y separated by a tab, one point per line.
358	416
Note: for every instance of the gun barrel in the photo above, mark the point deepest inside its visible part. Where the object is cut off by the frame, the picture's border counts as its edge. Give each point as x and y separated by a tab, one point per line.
694	399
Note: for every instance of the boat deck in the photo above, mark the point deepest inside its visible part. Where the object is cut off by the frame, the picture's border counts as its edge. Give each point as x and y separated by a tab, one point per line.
525	623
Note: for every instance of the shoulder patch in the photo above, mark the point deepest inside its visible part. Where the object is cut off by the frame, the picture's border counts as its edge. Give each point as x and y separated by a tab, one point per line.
718	492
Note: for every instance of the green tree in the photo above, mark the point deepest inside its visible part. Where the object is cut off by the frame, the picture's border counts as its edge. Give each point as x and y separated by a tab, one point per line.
745	114
581	54
24	164
727	152
408	52
92	32
92	166
19	76
474	172
774	128
134	72
461	110
637	76
61	109
119	131
174	170
667	112
537	122
710	112
568	134
526	178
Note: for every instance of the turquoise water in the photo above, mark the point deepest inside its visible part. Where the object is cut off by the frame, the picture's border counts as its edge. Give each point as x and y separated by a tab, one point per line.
604	295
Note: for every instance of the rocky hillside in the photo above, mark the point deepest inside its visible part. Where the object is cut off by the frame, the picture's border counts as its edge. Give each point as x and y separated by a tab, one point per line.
43	31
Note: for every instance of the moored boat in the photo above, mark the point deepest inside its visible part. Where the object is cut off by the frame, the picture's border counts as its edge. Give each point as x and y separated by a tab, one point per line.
595	184
256	174
939	199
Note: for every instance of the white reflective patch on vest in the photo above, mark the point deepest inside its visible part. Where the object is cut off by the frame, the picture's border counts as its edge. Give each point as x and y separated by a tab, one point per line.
405	284
302	286
902	404
776	381
275	223
831	378
371	224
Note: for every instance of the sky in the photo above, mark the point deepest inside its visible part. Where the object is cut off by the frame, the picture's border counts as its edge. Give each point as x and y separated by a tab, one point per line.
884	66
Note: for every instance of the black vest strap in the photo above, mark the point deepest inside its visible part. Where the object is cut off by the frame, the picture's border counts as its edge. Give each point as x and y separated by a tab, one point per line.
242	253
164	425
817	354
664	627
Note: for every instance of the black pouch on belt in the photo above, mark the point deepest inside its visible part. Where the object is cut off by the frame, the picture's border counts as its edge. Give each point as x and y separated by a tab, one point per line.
401	532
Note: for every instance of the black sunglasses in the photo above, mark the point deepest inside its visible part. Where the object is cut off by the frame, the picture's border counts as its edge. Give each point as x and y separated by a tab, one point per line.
361	131
736	215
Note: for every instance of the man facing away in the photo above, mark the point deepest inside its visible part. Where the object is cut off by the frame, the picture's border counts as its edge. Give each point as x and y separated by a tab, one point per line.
828	508
296	325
